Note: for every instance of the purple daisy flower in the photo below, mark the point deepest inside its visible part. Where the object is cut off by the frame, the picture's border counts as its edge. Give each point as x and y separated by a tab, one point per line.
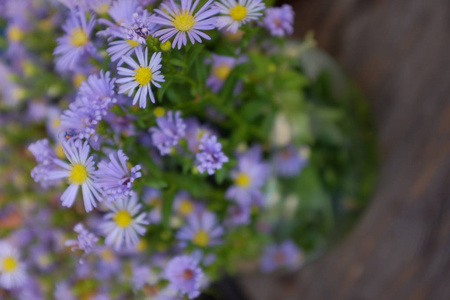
12	269
80	172
210	158
249	177
75	42
221	68
124	224
184	275
99	89
140	76
141	28
121	11
114	178
182	22
202	230
184	205
86	241
195	133
44	156
170	130
235	13
289	161
238	215
286	255
279	20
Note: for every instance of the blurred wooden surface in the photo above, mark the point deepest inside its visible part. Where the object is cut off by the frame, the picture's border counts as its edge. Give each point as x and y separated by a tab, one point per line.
398	51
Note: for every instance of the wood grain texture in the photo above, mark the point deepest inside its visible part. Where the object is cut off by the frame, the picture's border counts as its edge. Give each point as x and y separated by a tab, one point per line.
398	51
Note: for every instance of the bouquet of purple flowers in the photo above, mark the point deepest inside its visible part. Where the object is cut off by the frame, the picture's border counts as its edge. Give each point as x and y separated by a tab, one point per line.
173	141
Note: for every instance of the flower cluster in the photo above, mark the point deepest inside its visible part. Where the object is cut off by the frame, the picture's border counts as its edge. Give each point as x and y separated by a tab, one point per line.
153	144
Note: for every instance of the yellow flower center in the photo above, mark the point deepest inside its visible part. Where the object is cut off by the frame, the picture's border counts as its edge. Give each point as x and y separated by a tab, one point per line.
222	71
15	34
122	218
59	151
238	12
186	207
78	174
78	79
107	255
9	264
243	180
143	75
78	37
184	21
133	43
159	112
102	8
201	238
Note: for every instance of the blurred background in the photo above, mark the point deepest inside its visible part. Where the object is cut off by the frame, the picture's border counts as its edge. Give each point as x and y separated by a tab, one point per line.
397	52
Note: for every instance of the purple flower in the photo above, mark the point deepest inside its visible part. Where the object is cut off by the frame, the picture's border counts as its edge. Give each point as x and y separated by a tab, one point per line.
170	130
289	162
184	205
114	178
80	172
211	157
124	223
221	68
141	28
279	20
235	13
202	230
249	177
182	21
75	42
184	275
99	90
141	75
286	255
195	133
44	156
238	215
121	11
86	241
141	275
63	292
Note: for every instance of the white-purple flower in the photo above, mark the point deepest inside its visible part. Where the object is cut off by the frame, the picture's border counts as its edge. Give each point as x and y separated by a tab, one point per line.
210	158
249	177
202	230
114	178
184	21
75	42
124	223
235	13
171	128
285	255
184	275
12	269
279	20
141	75
80	173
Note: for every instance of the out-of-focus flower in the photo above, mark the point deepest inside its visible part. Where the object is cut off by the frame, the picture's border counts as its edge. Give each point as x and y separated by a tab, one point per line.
183	22
238	215
99	89
249	177
210	158
12	270
234	13
171	128
63	292
286	255
44	156
80	172
289	162
279	20
114	178
201	229
184	275
124	223
153	198
75	42
195	133
221	68
86	241
100	7
140	75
